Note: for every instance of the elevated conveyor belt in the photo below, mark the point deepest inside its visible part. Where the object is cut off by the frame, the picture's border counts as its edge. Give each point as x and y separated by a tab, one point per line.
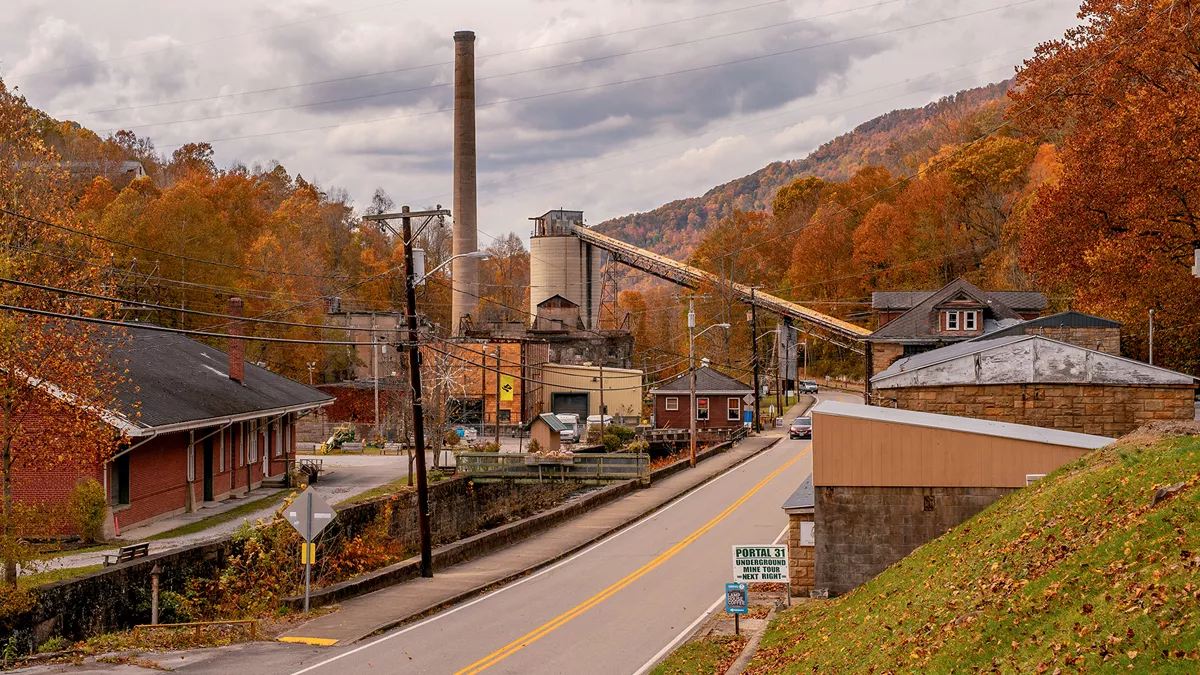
835	330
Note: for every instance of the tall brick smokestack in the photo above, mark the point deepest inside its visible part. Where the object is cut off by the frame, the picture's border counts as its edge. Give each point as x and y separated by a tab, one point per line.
237	346
465	299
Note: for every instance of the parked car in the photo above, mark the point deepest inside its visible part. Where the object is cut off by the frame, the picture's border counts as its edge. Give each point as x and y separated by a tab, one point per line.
808	386
571	433
801	428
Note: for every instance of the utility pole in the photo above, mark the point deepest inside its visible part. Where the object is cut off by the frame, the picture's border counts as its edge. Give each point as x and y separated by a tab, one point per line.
754	344
691	320
375	370
779	398
497	396
414	374
603	409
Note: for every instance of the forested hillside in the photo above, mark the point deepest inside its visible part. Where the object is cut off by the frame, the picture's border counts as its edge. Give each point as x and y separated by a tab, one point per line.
898	140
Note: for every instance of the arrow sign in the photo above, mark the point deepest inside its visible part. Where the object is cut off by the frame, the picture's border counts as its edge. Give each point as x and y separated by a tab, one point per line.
310	514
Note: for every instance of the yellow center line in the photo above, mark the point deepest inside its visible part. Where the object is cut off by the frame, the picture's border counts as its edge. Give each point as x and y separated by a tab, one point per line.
561	620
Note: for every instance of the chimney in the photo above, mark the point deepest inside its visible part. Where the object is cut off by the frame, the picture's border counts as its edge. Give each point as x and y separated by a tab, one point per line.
465	298
237	347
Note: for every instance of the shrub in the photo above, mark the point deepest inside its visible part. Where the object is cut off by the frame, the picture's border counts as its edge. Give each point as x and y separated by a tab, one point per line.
87	507
624	433
534	446
612	443
57	643
638	446
451	438
489	447
593	435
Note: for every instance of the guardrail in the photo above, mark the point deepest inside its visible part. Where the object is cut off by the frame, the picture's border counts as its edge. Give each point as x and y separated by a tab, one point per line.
721	435
523	467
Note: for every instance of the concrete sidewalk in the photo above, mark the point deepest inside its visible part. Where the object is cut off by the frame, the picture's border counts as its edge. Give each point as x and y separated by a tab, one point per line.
393	606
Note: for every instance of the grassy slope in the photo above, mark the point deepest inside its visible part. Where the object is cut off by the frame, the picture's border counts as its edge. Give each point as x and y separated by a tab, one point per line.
1074	574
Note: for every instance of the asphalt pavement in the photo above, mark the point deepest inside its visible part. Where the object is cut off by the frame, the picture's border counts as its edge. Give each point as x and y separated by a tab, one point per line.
615	607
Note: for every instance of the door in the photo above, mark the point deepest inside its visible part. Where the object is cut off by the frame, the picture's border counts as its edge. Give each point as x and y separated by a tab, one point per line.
570	402
208	469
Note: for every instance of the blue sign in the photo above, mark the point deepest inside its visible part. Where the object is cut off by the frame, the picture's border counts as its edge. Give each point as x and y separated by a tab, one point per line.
737	599
748	417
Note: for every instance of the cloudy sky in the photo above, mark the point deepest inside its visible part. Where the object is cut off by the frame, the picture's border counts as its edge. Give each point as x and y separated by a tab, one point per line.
608	106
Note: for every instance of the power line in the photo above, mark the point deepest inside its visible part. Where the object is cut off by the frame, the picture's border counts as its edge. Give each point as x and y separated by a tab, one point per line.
155	251
616	83
539	69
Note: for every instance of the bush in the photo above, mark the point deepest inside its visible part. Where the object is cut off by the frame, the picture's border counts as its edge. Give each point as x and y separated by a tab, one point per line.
87	507
451	438
593	435
612	443
534	446
57	643
626	434
489	447
638	447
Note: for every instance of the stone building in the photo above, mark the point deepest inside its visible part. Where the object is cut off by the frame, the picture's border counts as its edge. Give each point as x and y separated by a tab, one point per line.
1077	328
912	322
886	481
1035	380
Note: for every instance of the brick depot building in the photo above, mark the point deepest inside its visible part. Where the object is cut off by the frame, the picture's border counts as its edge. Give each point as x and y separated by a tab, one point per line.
1033	379
209	426
719	401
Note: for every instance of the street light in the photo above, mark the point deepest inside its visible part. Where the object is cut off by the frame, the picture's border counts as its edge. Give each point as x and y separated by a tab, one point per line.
692	335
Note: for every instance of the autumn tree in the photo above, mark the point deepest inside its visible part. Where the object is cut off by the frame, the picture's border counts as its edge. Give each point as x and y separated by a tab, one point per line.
56	377
1118	227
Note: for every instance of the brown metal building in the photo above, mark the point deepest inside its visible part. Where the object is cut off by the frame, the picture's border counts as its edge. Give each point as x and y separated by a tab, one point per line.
887	480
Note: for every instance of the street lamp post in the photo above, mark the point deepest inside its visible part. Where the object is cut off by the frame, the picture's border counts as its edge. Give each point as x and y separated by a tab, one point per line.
692	335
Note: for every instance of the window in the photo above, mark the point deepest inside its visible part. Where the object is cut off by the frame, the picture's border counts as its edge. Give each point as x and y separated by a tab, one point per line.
951	320
672	403
702	408
254	441
278	434
241	444
735	410
969	320
221	451
506	416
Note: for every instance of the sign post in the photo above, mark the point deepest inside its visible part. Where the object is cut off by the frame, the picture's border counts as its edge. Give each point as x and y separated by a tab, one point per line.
762	564
309	514
737	603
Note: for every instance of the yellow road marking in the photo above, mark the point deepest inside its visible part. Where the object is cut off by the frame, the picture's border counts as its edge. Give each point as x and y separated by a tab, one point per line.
320	642
560	620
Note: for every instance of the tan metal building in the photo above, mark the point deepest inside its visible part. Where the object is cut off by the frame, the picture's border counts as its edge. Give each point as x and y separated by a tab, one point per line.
576	389
888	480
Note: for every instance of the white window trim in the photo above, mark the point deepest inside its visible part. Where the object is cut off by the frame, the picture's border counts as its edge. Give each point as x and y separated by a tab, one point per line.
734	413
241	444
254	441
952	321
191	457
279	438
671	403
969	321
221	451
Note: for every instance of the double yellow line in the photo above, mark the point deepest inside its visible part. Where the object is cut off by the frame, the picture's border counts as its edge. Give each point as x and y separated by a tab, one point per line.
561	620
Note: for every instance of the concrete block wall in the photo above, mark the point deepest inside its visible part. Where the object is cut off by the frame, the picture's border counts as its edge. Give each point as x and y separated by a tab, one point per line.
860	531
1105	410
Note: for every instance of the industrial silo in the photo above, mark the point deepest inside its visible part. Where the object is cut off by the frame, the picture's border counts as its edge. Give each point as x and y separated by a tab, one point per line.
560	264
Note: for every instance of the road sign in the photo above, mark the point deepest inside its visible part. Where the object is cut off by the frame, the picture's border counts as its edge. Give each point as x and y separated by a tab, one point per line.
737	599
506	387
760	563
310	514
748	399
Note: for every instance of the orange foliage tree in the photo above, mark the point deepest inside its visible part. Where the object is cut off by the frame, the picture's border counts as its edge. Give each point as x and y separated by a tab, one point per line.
1118	227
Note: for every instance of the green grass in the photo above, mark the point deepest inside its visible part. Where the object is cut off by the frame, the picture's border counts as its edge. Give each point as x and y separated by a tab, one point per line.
1075	574
50	576
223	517
398	485
703	656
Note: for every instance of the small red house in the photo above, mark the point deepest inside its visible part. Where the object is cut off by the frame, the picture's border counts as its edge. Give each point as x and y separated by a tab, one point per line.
719	401
208	426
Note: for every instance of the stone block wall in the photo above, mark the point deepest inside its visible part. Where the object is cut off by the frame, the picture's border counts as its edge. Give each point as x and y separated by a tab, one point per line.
1107	340
1105	410
884	354
800	558
860	531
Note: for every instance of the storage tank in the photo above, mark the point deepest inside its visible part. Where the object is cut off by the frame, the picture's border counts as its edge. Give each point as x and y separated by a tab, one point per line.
563	265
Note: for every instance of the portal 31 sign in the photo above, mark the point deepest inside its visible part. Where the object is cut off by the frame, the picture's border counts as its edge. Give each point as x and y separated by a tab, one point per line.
760	563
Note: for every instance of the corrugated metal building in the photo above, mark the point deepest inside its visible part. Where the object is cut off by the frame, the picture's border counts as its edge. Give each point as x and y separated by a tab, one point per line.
576	389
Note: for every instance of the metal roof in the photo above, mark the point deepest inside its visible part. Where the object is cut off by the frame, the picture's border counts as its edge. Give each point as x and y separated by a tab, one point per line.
1070	319
178	381
708	381
556	425
1022	359
968	425
803	497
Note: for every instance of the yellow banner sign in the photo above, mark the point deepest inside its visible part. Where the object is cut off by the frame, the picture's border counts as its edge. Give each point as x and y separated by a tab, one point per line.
506	387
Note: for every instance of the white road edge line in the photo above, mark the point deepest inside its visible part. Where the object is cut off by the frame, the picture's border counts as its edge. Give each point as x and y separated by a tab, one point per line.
506	587
686	632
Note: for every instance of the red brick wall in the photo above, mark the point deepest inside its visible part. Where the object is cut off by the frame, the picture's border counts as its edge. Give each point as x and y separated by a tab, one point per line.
157	479
678	419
